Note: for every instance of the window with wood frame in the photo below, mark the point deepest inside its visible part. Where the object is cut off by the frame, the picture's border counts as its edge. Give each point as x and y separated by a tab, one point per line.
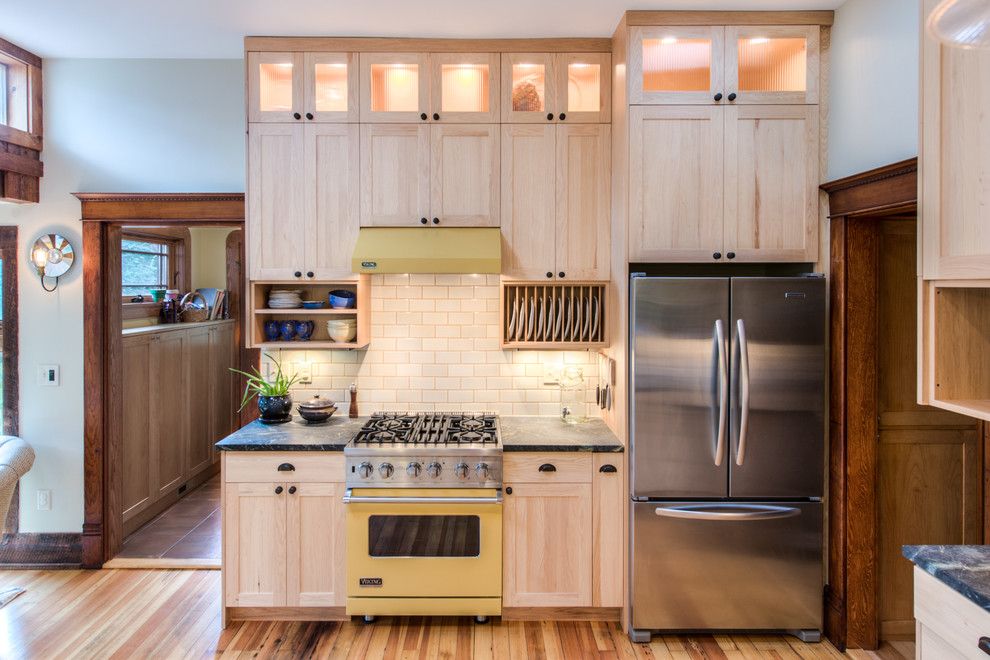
20	124
146	264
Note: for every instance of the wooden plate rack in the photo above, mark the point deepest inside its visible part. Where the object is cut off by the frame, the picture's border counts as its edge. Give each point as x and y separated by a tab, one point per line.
554	315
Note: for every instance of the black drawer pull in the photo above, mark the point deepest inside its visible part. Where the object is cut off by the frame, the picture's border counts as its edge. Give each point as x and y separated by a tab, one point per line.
607	468
286	467
984	645
548	467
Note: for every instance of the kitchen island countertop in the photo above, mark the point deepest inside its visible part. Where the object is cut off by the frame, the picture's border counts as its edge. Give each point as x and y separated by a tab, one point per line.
964	568
518	434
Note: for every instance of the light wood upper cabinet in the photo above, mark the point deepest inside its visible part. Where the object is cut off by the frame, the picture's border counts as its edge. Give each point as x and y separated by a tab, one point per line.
276	222
528	200
315	559
395	174
772	64
330	87
464	87
549	87
676	183
464	175
582	239
771	183
254	535
302	87
676	65
332	192
395	87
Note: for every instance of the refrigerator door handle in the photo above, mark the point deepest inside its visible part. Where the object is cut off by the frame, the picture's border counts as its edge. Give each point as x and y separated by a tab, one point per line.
727	512
723	392
743	391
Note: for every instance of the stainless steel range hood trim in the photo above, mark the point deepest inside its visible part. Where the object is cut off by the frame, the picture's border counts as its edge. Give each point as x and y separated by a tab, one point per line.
463	250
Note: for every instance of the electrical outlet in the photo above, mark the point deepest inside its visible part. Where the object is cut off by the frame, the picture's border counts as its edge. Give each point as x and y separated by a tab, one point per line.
44	500
49	375
551	373
305	372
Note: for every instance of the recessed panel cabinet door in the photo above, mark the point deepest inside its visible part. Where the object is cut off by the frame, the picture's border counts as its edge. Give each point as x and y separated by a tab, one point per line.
254	545
671	64
675	183
275	87
315	562
547	545
395	174
136	426
464	175
333	204
528	174
583	177
276	211
199	442
772	63
169	391
771	183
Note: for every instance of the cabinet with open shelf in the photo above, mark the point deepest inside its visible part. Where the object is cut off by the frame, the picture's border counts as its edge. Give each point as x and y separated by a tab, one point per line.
261	313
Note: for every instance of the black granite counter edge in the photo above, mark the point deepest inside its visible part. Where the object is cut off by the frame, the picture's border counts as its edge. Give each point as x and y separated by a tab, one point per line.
949	565
275	446
598	449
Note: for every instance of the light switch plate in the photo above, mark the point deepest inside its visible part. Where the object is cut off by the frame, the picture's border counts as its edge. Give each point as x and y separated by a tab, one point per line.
49	375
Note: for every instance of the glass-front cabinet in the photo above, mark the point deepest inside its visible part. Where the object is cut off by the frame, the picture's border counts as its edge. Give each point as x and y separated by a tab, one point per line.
395	87
464	87
724	65
553	87
306	87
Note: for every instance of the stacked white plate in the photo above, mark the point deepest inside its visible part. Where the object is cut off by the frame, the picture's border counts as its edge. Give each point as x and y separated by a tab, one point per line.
284	299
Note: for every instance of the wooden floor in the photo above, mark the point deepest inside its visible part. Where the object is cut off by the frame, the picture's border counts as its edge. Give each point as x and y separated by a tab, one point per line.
176	614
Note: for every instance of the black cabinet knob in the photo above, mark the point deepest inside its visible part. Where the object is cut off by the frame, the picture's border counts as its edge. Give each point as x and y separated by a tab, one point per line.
297	115
423	116
730	255
423	221
436	116
309	115
286	467
292	490
718	97
562	116
548	467
508	490
716	255
436	221
549	116
560	274
310	273
732	96
298	273
278	490
549	274
607	468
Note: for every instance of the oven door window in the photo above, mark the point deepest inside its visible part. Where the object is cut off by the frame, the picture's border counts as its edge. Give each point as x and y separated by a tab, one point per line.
424	536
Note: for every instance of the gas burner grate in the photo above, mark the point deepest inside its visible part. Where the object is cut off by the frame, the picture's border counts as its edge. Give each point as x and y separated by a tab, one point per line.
429	429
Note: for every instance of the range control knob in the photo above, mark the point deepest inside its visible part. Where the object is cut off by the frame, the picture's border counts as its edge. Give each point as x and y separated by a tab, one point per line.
433	469
461	470
365	470
413	469
386	470
482	471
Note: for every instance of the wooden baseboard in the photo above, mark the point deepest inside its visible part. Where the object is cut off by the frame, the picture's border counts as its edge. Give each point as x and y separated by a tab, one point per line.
561	613
287	614
897	630
163	563
26	550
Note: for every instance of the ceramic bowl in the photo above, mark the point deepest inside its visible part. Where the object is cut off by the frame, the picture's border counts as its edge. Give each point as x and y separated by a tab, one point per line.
341	332
312	304
342	299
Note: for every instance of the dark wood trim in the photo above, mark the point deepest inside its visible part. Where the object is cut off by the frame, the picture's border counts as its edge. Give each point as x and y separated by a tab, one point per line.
21	164
236	281
40	551
19	53
103	522
10	330
881	191
20	150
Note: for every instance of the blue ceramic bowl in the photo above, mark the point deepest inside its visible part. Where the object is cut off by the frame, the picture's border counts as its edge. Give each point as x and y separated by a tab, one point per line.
312	304
342	299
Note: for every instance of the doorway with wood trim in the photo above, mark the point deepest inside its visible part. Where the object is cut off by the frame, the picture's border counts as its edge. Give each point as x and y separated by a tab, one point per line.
163	321
900	473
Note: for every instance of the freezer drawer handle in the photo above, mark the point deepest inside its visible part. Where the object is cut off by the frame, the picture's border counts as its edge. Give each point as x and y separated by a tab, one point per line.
743	391
728	511
723	393
365	499
548	467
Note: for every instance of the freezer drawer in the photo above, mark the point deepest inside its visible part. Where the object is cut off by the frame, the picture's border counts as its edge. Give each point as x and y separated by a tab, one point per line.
726	566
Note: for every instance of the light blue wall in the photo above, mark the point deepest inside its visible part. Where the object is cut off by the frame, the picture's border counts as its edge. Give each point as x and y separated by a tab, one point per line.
110	126
873	96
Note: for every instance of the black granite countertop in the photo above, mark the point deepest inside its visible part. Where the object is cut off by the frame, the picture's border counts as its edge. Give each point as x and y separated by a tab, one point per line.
964	568
518	434
553	434
297	435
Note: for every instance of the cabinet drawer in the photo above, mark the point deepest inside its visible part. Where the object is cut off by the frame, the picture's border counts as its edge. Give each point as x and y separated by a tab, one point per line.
525	468
248	467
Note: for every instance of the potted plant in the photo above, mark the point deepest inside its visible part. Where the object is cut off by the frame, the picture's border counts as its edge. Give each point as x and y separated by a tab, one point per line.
274	401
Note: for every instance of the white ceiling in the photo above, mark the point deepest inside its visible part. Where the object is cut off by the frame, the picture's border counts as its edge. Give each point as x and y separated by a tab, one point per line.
215	28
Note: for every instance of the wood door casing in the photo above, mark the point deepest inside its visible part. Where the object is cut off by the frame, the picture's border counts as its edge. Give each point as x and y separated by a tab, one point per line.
528	200
395	174
333	206
464	174
315	545
583	155
254	545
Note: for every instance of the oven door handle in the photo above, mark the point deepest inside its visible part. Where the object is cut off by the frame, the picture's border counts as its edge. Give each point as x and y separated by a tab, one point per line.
365	499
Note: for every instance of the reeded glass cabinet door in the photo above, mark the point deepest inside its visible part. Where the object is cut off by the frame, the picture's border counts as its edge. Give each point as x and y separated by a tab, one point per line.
394	87
772	64
529	88
676	65
331	93
464	87
584	82
275	88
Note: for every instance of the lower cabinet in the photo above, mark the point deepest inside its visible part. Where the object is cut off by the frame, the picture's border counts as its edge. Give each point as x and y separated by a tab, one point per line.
562	530
949	625
283	540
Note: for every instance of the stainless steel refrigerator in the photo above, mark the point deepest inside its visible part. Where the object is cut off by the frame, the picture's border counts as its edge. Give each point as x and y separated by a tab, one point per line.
727	463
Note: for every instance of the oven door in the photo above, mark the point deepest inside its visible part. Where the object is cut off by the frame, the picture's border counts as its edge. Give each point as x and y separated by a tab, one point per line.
424	543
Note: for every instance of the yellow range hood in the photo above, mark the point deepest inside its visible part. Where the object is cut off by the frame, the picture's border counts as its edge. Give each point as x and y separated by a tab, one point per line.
428	250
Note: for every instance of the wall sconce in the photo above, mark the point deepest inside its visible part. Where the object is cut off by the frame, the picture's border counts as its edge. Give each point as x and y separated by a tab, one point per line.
52	255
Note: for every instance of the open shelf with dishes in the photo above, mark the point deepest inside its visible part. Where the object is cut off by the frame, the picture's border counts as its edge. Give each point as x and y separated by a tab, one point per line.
278	318
553	315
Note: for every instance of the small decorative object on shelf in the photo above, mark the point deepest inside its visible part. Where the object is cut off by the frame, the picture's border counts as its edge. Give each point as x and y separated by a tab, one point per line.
274	400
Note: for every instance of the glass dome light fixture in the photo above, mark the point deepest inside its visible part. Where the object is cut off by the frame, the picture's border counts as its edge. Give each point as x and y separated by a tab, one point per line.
52	255
961	23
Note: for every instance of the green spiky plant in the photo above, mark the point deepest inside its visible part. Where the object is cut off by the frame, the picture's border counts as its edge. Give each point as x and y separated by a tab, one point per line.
258	385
